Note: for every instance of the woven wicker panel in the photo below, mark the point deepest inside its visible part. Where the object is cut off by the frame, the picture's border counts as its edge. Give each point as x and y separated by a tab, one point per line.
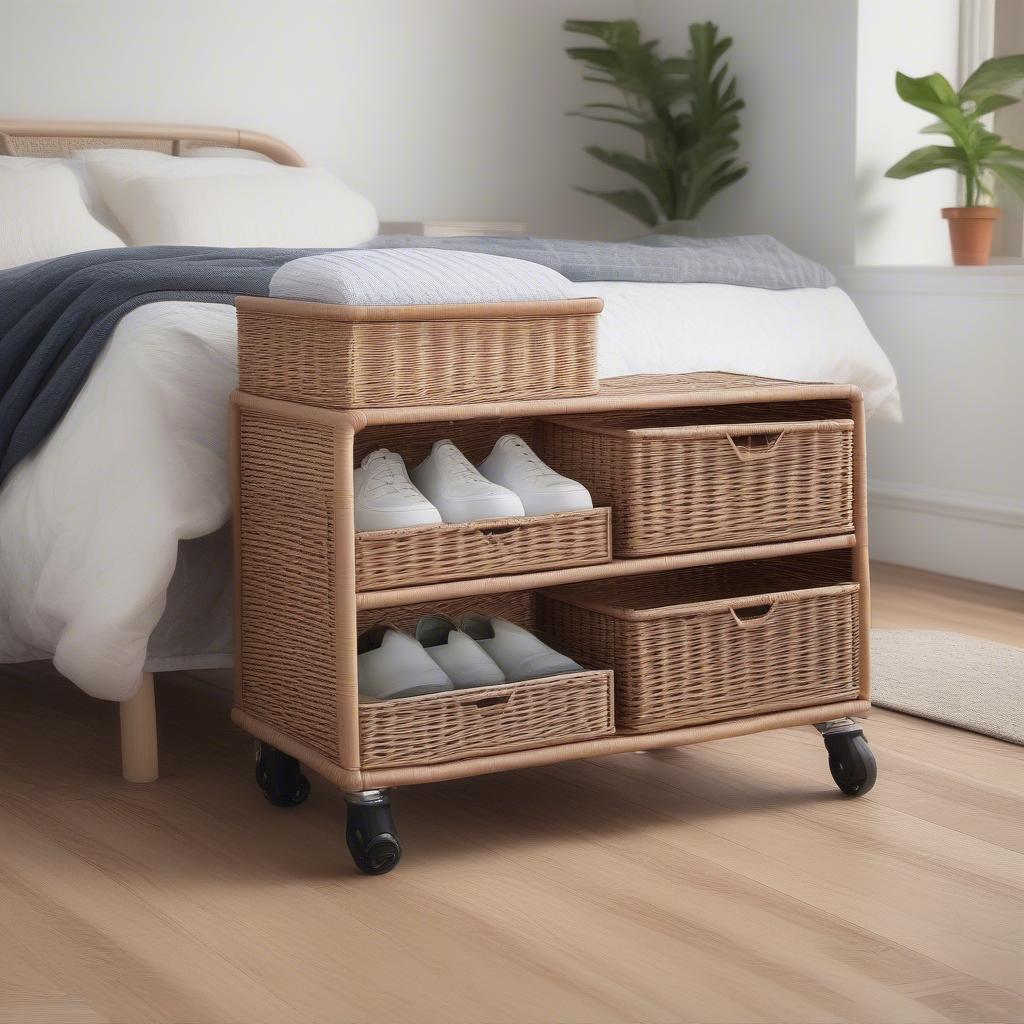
672	494
413	441
289	669
489	720
642	384
690	665
52	146
461	551
356	364
518	607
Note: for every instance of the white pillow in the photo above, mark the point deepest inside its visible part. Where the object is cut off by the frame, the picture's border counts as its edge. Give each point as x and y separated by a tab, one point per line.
227	153
234	203
43	213
89	192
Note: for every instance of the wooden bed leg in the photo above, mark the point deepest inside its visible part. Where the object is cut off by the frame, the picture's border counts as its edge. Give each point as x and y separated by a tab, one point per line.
139	762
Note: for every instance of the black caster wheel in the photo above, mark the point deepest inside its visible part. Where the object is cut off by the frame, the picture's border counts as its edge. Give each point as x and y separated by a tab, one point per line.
280	777
851	761
370	832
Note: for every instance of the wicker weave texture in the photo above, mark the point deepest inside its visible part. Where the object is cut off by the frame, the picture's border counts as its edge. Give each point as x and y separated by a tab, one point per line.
289	666
462	551
713	643
413	441
28	145
348	364
489	720
518	606
691	487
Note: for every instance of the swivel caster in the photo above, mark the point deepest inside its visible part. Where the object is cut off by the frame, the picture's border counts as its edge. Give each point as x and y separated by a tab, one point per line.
280	777
850	759
370	832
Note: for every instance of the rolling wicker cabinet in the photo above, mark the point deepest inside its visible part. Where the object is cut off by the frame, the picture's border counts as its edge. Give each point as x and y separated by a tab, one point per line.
720	587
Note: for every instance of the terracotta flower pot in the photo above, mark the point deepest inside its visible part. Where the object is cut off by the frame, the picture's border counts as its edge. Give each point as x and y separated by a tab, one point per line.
970	233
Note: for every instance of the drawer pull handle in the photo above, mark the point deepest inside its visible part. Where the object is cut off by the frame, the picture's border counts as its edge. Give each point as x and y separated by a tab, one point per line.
487	703
753	616
756	446
499	531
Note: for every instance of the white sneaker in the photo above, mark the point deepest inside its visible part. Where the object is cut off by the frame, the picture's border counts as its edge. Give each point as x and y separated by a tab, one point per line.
392	664
515	465
385	498
463	660
518	653
461	494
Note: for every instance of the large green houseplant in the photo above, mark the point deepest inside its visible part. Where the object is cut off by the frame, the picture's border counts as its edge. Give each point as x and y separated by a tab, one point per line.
976	154
683	108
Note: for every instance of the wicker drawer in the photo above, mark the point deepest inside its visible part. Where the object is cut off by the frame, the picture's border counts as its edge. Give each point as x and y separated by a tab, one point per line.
677	487
715	642
461	724
496	547
350	357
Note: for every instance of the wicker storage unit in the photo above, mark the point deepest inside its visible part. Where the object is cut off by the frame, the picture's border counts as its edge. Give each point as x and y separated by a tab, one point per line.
354	357
763	628
462	551
489	720
717	641
690	483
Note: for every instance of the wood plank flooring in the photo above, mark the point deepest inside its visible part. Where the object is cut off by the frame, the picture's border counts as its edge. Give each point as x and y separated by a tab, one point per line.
723	883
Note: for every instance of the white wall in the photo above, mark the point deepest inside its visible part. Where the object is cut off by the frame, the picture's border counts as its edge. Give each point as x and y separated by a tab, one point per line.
899	222
796	63
445	109
947	485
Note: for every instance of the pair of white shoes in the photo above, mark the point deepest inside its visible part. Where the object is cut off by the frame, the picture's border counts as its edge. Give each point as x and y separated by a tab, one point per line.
480	651
447	487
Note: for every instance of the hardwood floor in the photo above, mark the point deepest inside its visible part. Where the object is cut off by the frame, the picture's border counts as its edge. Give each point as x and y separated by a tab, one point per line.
725	882
904	598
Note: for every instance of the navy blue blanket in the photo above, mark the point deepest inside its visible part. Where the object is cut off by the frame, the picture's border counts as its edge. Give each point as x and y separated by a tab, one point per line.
56	316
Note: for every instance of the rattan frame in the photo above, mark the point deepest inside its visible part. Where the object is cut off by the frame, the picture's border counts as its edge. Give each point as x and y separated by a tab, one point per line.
633	393
61	138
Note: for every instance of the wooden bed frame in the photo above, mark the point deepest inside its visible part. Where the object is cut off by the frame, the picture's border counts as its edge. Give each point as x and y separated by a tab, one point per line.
139	751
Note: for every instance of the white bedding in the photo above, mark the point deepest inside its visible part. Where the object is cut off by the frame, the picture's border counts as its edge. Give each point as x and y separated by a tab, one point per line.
90	524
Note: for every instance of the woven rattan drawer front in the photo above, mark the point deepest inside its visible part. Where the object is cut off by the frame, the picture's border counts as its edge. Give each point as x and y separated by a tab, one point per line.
462	551
694	487
352	357
490	720
682	664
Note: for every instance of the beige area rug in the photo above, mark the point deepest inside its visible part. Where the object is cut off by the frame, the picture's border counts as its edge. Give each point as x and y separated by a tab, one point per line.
948	677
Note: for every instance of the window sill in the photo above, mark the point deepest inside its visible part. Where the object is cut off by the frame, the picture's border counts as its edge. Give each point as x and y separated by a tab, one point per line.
1006	278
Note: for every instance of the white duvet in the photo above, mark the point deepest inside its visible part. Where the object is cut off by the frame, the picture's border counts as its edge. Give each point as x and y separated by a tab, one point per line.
90	524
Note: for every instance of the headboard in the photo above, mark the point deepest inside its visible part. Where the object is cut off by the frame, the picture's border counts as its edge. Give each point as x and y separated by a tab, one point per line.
60	138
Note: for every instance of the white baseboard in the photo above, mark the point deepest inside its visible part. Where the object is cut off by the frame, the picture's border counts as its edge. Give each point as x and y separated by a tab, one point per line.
973	536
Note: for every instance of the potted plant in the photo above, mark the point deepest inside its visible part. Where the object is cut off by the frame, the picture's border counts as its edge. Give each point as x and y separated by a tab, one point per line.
976	154
684	110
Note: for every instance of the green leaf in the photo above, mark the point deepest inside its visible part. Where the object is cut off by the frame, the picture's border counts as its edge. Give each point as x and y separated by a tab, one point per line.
1005	151
631	201
995	102
928	158
651	177
993	76
928	92
1010	174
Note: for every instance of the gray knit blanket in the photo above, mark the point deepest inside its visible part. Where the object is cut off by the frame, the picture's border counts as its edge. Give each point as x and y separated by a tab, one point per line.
56	316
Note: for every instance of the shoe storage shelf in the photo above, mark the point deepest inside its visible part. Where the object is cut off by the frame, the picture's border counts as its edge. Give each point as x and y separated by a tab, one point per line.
719	586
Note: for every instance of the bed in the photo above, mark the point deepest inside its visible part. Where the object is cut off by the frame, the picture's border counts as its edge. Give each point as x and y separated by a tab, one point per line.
114	557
